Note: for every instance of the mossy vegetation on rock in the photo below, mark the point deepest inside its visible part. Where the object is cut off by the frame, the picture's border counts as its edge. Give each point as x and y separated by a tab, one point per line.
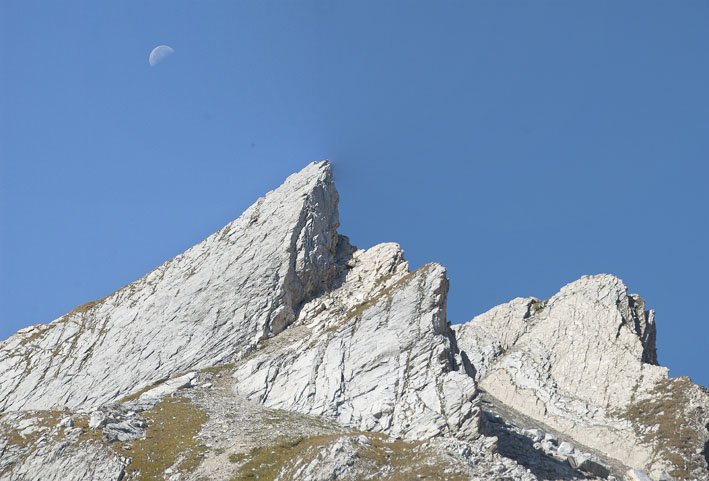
663	420
22	433
371	456
275	350
171	439
40	425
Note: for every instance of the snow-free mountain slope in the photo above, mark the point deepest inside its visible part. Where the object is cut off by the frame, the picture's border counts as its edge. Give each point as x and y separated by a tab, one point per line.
223	295
386	363
276	350
584	362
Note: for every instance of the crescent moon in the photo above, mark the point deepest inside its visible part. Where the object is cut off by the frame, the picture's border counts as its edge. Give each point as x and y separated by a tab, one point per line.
159	54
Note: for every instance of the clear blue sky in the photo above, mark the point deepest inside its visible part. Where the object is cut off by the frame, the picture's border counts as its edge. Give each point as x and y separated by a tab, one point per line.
520	144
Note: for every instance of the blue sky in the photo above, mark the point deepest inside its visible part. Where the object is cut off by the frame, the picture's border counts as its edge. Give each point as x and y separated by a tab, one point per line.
520	144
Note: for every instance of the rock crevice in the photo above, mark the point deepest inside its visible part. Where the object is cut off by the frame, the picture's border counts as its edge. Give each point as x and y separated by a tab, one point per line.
276	349
585	363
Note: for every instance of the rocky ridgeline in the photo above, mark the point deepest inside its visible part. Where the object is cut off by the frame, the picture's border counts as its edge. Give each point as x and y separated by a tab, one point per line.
275	350
584	362
223	295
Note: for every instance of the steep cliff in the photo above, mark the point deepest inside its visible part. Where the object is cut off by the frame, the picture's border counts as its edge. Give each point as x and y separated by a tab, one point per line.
276	350
240	285
585	363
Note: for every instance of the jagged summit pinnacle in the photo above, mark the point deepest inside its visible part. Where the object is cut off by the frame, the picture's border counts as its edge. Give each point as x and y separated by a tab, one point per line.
585	363
610	291
241	284
276	350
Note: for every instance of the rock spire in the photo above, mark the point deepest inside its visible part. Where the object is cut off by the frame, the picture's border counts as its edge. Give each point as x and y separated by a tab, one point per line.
274	349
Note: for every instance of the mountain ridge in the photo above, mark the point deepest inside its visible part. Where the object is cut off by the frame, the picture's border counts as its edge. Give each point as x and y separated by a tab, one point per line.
277	312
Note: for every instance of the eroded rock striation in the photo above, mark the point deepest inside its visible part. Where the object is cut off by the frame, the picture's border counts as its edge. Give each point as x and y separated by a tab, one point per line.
240	285
585	363
276	350
376	353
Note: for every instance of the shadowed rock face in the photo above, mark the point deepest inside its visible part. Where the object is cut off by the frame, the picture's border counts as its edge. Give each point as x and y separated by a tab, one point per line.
585	363
276	349
310	323
386	363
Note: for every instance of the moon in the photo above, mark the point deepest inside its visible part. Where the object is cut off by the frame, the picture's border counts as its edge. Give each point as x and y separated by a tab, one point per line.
159	54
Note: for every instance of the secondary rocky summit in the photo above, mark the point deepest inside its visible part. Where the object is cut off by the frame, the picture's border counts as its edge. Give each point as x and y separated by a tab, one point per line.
276	350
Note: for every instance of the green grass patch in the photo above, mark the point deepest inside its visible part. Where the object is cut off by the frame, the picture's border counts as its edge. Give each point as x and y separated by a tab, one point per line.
237	457
40	330
46	420
173	426
674	438
265	462
402	460
219	369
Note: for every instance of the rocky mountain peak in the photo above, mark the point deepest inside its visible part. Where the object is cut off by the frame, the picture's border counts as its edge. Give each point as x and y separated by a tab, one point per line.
274	349
609	291
242	284
579	362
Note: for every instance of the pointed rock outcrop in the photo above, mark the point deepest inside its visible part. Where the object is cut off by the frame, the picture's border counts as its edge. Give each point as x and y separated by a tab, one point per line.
238	286
584	362
377	354
274	308
275	349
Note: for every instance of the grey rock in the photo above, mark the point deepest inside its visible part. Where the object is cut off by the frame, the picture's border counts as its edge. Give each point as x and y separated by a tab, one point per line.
65	461
184	315
236	424
361	315
123	431
324	341
663	476
534	434
565	449
548	446
488	336
380	357
637	475
589	464
121	422
169	387
97	420
67	422
584	363
139	405
336	462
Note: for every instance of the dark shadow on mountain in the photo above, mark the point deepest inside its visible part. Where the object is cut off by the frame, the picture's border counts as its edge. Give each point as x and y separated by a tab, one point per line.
521	449
343	254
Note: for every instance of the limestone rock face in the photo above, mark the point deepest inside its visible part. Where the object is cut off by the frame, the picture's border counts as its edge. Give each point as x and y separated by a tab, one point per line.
37	446
61	462
241	284
581	362
377	353
274	349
